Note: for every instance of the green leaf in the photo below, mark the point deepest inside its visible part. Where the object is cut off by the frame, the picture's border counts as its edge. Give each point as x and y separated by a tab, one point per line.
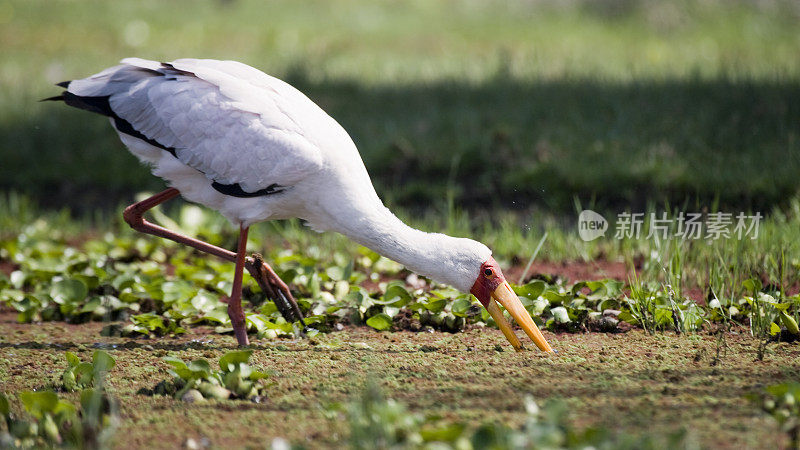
183	373
69	290
774	329
752	285
65	409
789	322
91	400
176	363
256	375
204	301
68	379
461	306
396	295
229	360
626	316
602	288
435	305
102	361
72	359
556	298
5	409
337	273
49	430
613	287
91	305
537	307
530	290
84	373
449	433
219	316
663	316
255	321
200	366
39	403
560	314
380	322
391	311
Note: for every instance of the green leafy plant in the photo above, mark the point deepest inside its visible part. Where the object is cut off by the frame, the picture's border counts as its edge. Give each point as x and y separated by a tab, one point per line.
54	422
122	277
81	375
195	380
152	323
763	315
379	422
640	306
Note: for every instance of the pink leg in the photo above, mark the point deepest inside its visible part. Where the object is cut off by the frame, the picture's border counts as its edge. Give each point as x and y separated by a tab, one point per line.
235	311
133	216
267	279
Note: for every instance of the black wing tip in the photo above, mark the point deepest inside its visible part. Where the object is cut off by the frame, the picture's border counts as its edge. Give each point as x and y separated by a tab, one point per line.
64	84
55	98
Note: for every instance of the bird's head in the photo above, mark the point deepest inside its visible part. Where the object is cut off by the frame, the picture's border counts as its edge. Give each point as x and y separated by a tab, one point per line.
469	266
490	288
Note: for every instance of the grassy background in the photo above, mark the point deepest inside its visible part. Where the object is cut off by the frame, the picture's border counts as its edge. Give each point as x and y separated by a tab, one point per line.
515	105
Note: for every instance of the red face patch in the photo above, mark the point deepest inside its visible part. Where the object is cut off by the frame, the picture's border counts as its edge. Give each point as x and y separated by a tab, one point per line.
489	278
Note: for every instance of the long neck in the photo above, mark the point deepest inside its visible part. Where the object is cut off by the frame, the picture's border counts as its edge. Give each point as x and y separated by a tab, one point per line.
450	260
387	235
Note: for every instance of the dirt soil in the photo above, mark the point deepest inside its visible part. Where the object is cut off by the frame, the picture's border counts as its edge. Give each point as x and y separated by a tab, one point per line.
571	271
631	382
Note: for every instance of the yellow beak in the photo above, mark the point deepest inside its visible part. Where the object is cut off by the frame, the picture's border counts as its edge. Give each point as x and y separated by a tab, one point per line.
506	297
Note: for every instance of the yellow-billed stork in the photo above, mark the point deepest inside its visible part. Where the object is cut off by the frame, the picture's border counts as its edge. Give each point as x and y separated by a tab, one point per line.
249	145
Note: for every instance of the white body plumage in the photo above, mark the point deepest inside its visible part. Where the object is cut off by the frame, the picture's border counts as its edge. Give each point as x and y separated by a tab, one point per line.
237	140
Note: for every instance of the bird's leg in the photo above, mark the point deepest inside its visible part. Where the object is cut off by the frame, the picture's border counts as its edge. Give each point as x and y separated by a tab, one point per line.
235	311
267	279
133	216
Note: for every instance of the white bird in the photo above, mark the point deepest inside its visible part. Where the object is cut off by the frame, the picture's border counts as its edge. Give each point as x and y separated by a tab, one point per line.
232	138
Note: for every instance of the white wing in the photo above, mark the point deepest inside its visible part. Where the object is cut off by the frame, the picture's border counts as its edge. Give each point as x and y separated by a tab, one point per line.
237	125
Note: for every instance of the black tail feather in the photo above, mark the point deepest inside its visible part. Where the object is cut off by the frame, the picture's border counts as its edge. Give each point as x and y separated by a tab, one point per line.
94	104
100	105
64	84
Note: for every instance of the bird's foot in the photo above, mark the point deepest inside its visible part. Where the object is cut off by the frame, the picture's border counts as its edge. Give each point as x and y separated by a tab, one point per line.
275	289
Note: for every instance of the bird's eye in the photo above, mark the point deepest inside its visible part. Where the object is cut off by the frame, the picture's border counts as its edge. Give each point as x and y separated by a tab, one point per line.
488	272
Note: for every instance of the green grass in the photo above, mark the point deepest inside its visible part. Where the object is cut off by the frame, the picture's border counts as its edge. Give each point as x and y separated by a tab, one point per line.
499	104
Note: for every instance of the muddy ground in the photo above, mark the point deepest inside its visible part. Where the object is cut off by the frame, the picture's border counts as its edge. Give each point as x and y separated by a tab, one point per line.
631	382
